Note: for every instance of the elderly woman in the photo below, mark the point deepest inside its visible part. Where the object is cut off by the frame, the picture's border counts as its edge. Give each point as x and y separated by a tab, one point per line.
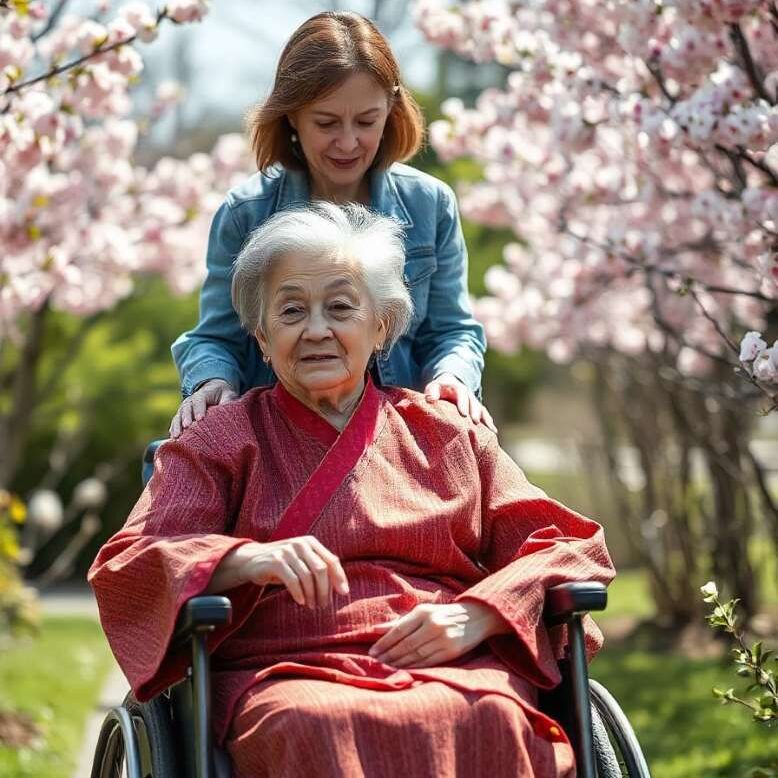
335	127
386	561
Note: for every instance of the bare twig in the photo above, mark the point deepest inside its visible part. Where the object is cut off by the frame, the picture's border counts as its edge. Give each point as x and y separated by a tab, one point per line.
716	325
51	21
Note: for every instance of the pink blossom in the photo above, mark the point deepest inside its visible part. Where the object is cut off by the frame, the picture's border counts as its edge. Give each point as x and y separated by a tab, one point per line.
141	19
186	10
78	219
751	346
765	366
627	162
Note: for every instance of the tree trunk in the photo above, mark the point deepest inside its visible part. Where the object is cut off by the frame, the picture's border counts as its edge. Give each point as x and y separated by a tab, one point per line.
14	425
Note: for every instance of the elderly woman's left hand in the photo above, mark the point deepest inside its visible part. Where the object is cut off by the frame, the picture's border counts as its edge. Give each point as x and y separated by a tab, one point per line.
449	387
435	633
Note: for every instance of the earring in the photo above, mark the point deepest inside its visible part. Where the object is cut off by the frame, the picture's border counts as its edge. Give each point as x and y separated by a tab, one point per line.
294	137
266	359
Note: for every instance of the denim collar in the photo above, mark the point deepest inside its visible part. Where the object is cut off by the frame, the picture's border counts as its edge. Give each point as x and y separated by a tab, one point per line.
384	197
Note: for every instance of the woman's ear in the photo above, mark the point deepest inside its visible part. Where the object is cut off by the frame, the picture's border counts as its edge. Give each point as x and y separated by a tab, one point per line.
264	345
292	121
381	339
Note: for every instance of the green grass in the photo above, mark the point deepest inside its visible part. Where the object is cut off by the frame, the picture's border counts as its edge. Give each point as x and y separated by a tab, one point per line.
684	732
55	678
629	595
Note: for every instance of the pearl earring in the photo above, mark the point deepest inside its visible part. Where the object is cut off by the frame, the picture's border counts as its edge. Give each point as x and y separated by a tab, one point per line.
294	137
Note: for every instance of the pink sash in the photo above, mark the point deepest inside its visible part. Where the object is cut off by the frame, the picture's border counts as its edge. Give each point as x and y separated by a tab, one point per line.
355	439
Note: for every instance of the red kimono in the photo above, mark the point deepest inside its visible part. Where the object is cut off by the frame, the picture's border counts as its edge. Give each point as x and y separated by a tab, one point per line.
421	506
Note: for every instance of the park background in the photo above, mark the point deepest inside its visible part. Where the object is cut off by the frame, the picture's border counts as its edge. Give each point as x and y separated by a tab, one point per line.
613	378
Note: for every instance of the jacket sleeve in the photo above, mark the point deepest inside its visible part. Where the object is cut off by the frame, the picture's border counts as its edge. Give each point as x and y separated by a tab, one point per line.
217	347
530	543
450	340
165	554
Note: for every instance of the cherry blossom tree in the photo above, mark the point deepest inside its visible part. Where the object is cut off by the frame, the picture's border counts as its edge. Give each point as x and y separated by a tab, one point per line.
633	150
78	220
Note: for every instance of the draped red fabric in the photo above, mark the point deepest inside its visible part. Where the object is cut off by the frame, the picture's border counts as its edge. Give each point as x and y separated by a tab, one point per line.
430	510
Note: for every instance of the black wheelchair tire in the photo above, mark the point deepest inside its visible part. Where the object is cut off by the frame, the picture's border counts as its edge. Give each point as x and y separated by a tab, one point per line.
605	759
109	752
151	754
620	730
156	739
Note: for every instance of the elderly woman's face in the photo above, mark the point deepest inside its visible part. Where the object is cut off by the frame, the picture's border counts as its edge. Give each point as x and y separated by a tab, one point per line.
320	327
340	133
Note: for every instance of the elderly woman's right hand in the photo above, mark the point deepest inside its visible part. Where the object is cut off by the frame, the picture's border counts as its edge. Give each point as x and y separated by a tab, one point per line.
303	565
214	392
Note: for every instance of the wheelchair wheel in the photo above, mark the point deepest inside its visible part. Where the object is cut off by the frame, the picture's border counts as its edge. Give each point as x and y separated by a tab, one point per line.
136	741
607	715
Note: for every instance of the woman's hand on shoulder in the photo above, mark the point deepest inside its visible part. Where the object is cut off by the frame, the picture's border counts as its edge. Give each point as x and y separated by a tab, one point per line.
435	633
449	387
217	391
309	570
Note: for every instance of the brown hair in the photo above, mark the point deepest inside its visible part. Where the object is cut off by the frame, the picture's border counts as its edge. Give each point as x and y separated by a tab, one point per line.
321	54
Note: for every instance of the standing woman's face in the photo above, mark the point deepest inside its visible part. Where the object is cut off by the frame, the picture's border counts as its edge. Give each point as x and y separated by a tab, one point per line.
340	133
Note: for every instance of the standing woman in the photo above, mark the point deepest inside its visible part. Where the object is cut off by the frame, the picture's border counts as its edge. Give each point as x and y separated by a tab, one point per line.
335	127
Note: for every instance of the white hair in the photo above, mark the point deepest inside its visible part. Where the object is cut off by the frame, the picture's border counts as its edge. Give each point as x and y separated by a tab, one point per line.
341	231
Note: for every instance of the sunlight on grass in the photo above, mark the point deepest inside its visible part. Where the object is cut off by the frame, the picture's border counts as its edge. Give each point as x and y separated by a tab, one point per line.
629	595
684	732
56	678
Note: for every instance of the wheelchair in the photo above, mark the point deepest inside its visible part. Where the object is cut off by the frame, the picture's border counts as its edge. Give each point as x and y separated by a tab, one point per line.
170	736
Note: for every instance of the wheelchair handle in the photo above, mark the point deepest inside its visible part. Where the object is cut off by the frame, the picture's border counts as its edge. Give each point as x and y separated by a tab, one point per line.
565	600
198	617
566	604
202	614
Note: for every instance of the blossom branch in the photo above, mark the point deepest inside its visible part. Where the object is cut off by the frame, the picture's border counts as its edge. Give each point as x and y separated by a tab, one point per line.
747	61
55	71
746	155
686	280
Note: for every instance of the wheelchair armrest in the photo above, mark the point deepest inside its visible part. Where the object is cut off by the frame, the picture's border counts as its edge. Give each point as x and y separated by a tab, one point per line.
568	599
201	614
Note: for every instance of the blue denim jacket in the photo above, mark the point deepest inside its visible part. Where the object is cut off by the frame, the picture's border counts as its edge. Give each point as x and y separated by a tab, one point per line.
443	336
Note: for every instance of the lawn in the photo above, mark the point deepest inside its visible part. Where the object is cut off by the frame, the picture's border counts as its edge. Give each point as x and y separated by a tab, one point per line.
684	732
56	679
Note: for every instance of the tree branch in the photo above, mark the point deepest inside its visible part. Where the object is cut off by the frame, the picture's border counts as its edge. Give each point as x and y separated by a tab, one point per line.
716	325
745	155
102	49
673	274
51	21
740	42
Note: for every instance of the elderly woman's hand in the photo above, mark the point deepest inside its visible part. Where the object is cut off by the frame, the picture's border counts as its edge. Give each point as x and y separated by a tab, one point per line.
449	387
214	392
303	565
432	634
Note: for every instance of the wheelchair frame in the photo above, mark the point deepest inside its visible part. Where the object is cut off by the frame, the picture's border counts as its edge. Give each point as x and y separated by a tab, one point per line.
596	725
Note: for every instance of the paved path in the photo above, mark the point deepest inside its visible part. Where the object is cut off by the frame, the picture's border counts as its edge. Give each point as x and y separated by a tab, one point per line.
78	601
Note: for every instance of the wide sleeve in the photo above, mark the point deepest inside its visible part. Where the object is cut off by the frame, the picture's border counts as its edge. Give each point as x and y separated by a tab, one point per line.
530	543
165	554
217	347
450	340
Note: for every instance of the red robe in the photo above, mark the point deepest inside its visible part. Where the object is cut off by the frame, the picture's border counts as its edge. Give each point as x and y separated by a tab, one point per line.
421	506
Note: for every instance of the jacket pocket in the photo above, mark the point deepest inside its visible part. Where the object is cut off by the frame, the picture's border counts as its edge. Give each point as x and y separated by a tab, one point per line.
420	264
